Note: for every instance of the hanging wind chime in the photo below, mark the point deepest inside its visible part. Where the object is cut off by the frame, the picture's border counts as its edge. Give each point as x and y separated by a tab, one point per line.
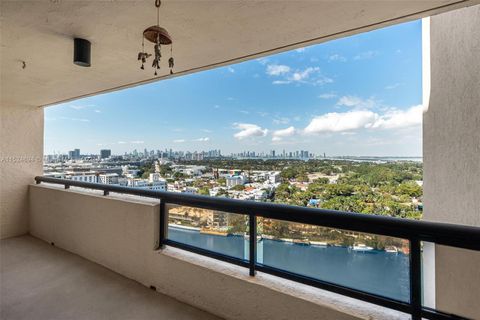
159	36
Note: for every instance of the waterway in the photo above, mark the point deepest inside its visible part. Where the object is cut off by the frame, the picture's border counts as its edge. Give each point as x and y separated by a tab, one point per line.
376	271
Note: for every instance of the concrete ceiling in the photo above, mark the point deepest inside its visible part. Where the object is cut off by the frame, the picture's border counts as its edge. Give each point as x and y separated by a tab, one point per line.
205	34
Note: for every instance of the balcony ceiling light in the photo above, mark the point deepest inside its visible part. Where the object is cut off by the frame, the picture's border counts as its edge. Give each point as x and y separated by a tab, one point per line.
159	36
81	52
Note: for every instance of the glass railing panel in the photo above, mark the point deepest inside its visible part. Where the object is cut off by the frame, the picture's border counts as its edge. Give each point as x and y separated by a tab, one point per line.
217	231
366	262
450	279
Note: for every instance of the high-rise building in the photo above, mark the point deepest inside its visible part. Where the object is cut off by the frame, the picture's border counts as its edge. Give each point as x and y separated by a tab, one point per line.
105	153
74	154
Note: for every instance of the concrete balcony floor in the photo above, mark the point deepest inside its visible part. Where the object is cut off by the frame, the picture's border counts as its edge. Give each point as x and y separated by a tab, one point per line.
39	281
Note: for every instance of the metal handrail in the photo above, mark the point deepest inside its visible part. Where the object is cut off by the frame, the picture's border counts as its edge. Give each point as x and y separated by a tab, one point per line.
460	236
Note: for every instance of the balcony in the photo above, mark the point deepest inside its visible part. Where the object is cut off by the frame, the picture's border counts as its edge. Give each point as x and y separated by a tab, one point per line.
76	251
125	230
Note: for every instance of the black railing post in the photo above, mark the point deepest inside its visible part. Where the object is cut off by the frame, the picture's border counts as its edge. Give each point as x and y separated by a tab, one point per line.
252	222
163	224
416	279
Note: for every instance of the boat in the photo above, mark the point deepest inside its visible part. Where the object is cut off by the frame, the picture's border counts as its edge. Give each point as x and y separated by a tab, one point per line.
319	244
362	248
179	226
268	237
391	249
301	242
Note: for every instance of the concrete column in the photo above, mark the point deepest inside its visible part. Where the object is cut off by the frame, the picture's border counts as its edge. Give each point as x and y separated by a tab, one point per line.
451	133
21	157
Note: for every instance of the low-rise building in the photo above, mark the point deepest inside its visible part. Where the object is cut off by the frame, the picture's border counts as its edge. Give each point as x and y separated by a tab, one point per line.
108	178
137	183
236	180
159	185
83	176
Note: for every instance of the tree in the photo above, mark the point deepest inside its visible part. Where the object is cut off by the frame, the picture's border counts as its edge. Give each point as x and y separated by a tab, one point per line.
409	188
318	186
288	173
335	190
319	181
282	192
238	187
222	181
165	169
302	177
178	175
204	191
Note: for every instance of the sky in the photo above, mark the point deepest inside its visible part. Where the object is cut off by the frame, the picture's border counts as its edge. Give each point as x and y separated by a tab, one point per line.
360	95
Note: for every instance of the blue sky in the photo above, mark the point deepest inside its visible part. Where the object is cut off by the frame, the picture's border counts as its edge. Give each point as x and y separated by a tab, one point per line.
360	95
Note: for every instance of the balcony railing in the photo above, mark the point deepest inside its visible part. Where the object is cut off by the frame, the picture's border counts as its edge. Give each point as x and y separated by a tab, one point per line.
414	232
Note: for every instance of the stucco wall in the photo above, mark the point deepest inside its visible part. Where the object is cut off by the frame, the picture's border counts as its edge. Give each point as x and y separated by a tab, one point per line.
121	235
451	131
21	152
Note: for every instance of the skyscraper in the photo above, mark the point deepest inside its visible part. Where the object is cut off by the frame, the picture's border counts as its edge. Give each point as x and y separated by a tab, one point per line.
105	153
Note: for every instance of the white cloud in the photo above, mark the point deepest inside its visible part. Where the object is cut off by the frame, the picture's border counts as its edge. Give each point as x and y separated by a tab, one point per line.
278	135
393	86
244	111
80	106
202	139
338	122
277	69
366	55
310	75
263	61
75	119
281	120
97	111
207	130
300	50
216	106
248	130
121	142
179	141
281	82
365	119
396	119
137	142
357	102
327	96
231	70
337	57
305	74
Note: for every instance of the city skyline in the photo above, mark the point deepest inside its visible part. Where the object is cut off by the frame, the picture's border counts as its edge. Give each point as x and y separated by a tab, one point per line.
156	153
358	96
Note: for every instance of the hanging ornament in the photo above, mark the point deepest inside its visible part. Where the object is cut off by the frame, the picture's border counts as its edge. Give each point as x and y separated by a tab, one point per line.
159	36
171	63
142	55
